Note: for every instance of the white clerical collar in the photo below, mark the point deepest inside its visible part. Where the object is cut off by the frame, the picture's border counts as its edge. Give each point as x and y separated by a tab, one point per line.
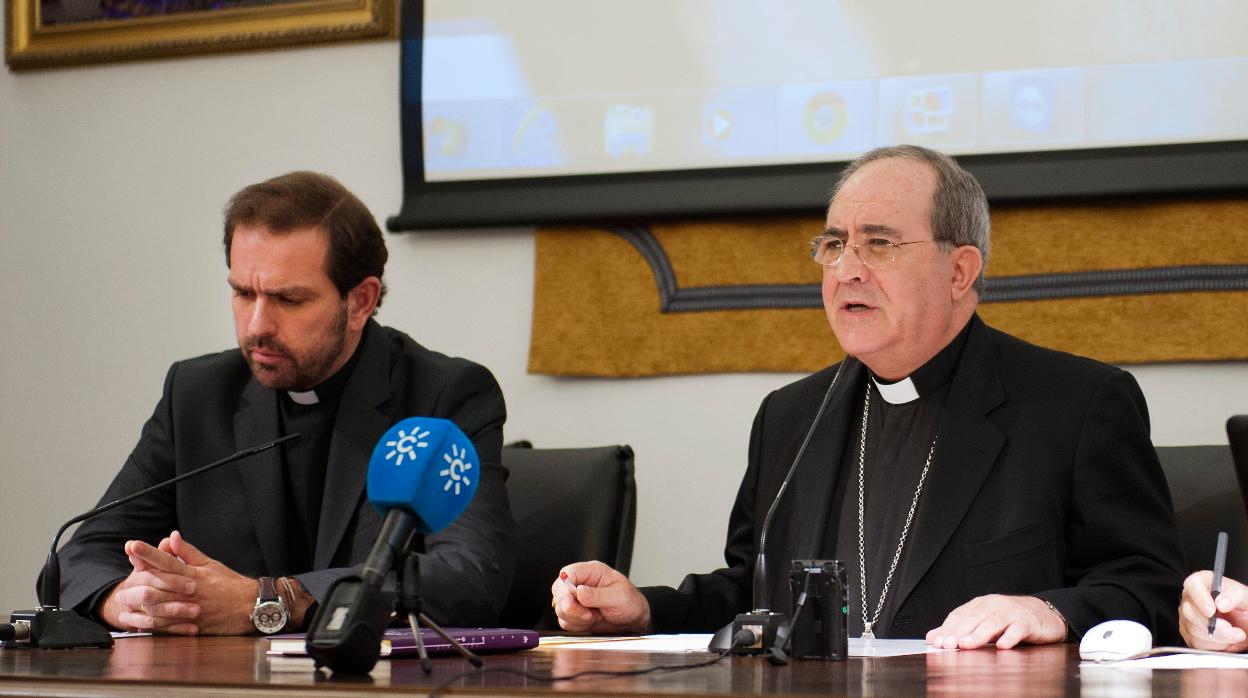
898	393
308	397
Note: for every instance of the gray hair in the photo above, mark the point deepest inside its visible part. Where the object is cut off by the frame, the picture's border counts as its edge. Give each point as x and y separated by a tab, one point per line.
959	207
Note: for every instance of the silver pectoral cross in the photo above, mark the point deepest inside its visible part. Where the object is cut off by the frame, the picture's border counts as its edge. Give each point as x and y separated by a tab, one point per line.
866	631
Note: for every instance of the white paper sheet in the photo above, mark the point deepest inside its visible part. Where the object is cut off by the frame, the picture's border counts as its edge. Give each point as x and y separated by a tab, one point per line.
1176	661
890	648
644	643
698	643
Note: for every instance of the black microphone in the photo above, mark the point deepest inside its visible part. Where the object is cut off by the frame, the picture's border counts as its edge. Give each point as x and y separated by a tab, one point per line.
762	621
422	475
52	626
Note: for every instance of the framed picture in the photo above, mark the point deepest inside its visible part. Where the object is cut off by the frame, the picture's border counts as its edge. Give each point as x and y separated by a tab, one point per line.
49	33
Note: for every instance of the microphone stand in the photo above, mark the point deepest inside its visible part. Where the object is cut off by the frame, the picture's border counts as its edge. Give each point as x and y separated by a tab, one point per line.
348	628
55	627
408	603
764	624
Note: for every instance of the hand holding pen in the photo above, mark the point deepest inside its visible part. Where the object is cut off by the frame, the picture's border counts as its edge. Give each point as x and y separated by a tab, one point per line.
1212	620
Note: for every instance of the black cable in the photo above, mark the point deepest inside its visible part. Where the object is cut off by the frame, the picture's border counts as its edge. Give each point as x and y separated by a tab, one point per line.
744	637
797	612
778	654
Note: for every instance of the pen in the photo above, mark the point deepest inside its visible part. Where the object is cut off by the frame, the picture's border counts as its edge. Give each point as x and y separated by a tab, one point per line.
1219	566
563	576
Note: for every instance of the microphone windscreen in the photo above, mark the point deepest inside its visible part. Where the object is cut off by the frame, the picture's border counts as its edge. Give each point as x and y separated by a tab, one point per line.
426	466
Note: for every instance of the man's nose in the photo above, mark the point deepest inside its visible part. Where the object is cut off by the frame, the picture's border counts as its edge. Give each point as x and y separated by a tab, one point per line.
260	323
851	267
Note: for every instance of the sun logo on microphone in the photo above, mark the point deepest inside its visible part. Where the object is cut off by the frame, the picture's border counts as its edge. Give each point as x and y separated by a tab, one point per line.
455	469
406	445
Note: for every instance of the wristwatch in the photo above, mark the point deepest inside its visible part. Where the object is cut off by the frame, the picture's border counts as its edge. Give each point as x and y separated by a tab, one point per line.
270	614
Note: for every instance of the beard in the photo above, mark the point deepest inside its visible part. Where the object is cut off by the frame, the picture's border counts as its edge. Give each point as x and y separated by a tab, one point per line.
299	372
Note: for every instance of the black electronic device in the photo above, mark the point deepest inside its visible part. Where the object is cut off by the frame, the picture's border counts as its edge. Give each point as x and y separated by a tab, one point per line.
820	625
761	628
51	626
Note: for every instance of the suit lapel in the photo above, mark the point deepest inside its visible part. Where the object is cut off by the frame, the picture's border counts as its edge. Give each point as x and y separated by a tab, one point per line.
357	426
264	485
966	452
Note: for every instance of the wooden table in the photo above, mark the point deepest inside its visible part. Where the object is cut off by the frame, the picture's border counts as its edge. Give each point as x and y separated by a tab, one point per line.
169	666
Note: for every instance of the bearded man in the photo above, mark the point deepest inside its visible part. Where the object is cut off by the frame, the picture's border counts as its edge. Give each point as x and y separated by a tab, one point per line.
305	260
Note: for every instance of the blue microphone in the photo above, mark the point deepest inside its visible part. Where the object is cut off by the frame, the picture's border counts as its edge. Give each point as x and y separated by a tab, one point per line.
421	476
426	466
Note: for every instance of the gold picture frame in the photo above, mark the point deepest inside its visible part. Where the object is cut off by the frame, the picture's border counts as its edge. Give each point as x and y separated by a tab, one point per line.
53	33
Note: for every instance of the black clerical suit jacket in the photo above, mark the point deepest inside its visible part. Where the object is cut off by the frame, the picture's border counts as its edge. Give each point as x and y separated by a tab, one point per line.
1044	482
212	407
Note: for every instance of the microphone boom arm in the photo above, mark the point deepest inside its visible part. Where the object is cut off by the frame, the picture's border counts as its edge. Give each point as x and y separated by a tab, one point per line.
761	623
50	586
760	565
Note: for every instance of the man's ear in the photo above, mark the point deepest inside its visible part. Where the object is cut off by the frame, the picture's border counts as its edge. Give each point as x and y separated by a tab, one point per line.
967	263
362	301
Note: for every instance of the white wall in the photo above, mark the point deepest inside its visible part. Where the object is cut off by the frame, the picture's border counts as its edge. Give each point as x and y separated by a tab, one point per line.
112	179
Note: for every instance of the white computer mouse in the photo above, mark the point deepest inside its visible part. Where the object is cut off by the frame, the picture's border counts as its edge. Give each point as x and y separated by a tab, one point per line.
1115	639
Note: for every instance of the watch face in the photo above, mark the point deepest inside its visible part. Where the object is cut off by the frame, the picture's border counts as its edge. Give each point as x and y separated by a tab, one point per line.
269	617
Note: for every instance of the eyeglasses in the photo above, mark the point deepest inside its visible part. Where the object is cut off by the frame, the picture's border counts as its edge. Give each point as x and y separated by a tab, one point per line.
875	253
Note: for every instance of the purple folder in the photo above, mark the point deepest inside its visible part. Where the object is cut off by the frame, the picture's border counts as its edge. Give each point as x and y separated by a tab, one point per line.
399	642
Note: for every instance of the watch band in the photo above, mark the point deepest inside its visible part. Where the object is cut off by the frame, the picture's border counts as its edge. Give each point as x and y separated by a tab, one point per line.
268	590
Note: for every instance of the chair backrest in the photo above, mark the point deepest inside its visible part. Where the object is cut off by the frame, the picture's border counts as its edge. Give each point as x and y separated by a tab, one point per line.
1207	499
569	504
1237	435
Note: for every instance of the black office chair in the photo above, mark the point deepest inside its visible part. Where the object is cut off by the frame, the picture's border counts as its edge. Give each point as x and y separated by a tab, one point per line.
570	504
1207	499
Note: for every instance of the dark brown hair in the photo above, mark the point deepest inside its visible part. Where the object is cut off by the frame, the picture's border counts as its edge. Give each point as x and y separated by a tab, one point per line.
301	200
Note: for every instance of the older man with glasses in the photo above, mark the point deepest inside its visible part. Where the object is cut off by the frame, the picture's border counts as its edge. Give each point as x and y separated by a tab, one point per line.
979	489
